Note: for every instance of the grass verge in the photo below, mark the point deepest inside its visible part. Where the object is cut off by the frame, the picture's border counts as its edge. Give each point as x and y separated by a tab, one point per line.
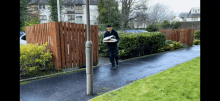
179	83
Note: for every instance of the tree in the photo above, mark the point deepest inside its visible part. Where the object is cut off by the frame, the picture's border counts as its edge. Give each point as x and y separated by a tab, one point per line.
170	25
109	13
159	12
132	9
53	9
23	12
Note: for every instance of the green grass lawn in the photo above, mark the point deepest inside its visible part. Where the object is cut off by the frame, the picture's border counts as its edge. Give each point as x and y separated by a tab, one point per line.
179	83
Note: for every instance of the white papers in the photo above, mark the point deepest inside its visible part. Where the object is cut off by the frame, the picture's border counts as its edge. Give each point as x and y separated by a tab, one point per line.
110	39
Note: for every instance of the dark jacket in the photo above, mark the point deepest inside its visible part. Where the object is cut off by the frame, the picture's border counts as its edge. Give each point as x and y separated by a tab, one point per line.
115	33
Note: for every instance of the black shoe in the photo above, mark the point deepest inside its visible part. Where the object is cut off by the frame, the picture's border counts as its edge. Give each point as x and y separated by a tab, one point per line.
113	67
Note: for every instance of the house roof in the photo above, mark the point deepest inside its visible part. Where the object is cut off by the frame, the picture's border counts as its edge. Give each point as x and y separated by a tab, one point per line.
196	15
65	2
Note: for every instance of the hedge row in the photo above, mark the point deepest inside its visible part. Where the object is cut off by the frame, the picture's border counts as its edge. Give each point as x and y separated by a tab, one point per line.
197	34
34	57
133	45
196	42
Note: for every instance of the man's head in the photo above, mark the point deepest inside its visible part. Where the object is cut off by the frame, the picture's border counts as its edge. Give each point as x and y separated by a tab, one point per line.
109	28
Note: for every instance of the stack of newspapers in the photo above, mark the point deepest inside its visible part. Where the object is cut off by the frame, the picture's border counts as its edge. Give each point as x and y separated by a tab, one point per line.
110	39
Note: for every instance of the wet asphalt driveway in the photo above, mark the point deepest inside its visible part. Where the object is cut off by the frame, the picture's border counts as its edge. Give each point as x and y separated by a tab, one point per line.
72	87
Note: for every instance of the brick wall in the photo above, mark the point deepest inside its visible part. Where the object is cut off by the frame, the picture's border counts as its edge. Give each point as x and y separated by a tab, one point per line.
193	24
33	10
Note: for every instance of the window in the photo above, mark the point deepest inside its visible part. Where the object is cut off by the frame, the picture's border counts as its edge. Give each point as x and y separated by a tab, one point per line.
71	17
78	19
43	17
72	6
195	11
94	17
41	6
78	7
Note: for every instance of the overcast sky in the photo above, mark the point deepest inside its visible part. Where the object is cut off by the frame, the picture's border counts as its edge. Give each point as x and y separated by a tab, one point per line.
178	6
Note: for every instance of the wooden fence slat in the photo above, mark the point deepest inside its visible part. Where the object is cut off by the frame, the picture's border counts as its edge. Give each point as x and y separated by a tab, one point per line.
58	53
69	42
85	39
63	55
77	43
73	44
65	45
83	45
80	45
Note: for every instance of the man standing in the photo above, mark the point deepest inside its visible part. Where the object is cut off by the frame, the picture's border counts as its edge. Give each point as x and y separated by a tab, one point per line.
112	47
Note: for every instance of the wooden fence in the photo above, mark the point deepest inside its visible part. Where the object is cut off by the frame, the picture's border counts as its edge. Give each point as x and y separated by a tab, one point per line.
66	42
185	36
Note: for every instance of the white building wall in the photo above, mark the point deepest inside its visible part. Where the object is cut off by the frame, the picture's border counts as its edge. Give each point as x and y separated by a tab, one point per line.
93	14
46	12
64	17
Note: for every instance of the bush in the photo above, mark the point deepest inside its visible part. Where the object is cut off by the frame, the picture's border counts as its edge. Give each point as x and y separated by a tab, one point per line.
197	34
132	45
33	57
171	45
196	42
152	28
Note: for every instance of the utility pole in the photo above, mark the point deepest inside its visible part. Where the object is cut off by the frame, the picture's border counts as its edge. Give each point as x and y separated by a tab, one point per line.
58	9
89	56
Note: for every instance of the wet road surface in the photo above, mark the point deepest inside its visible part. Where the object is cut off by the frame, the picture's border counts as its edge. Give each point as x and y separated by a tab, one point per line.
72	87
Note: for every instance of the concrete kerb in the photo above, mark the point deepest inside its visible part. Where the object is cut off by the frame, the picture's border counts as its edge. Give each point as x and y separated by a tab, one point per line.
78	69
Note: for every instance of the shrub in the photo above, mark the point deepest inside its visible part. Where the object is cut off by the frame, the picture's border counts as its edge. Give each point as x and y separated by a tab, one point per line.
196	42
152	28
171	45
132	45
197	34
33	57
178	45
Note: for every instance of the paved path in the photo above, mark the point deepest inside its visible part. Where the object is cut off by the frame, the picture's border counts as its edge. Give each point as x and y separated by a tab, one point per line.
72	87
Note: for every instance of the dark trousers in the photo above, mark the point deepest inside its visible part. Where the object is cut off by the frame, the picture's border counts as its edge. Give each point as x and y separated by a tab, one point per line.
113	54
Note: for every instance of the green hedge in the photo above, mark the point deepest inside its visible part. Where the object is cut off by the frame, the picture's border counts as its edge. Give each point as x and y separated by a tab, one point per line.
134	45
171	45
197	34
196	42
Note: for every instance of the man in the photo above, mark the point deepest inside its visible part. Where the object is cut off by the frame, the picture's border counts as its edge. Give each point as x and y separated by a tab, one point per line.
112	47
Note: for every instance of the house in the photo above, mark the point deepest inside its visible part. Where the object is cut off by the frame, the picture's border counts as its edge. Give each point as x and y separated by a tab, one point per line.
194	14
73	11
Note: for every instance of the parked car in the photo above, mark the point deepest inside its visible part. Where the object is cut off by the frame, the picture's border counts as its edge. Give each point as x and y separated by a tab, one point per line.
23	39
22	33
135	31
